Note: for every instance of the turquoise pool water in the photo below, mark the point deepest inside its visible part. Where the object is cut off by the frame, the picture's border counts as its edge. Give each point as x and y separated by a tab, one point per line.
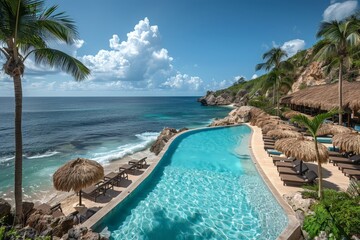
205	187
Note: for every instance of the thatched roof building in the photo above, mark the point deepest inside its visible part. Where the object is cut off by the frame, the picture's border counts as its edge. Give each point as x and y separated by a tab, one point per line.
326	97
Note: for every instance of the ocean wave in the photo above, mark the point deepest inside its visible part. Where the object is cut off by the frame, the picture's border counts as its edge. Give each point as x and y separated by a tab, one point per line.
29	156
43	155
145	138
6	159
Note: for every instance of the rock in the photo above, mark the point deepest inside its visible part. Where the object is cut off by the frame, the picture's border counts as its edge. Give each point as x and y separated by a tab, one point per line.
218	98
27	209
27	233
39	221
165	135
236	116
76	232
63	226
91	236
322	236
46	232
312	75
5	208
297	202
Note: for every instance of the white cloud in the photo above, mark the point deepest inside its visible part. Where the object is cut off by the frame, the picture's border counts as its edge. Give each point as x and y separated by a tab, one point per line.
254	76
293	46
184	81
139	58
339	11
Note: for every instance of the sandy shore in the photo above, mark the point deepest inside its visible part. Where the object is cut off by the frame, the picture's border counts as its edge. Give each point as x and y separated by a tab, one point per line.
69	200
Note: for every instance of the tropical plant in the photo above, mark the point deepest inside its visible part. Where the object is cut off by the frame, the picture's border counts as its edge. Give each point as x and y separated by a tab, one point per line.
337	47
274	62
26	28
337	215
313	126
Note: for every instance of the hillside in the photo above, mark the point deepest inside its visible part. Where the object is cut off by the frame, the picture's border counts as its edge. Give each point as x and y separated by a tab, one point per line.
259	92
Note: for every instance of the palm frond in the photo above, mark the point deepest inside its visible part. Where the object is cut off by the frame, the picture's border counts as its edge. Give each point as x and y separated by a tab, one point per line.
58	25
65	62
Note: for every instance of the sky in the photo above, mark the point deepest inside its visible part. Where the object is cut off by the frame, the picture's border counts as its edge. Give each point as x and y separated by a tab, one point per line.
175	48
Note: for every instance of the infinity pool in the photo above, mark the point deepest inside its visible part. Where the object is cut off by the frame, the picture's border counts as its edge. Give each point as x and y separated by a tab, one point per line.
205	187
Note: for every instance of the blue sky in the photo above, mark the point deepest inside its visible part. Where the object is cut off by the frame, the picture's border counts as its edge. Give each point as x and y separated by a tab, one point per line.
176	48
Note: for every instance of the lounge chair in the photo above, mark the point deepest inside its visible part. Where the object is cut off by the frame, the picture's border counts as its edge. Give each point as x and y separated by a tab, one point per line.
308	178
127	167
352	173
293	171
116	177
269	146
288	164
139	163
273	152
282	159
343	166
324	139
352	159
98	189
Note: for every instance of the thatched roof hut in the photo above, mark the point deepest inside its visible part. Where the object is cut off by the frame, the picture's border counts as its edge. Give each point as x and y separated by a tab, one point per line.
326	97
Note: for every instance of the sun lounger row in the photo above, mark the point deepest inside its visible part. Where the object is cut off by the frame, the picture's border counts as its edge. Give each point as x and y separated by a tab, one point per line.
293	171
113	179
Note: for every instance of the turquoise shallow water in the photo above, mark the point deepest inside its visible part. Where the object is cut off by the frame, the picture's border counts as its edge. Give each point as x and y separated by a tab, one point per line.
205	187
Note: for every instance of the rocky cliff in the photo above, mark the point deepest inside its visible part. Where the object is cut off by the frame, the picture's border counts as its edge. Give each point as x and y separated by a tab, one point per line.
225	98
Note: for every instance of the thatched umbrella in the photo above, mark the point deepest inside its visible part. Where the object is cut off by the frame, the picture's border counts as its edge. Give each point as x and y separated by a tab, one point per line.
77	174
291	113
279	133
349	142
332	129
302	149
265	129
262	122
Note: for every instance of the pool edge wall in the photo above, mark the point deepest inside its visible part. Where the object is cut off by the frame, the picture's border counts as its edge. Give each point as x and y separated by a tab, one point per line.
292	231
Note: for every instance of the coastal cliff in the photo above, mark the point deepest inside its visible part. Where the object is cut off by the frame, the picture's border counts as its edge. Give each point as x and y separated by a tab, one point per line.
305	73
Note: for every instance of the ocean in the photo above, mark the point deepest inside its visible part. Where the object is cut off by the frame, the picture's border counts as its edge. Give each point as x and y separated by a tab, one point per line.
58	129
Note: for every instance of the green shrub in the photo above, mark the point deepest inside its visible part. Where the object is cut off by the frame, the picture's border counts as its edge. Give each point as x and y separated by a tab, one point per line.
320	221
338	214
2	233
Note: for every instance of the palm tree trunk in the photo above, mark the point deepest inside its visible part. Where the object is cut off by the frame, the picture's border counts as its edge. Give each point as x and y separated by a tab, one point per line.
18	149
340	92
277	98
274	91
320	194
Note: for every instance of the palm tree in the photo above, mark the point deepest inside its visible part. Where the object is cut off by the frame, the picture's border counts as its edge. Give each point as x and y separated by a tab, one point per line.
275	62
336	48
313	126
25	28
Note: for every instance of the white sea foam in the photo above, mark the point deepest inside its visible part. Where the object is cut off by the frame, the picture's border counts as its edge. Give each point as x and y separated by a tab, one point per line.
6	159
145	138
43	155
36	156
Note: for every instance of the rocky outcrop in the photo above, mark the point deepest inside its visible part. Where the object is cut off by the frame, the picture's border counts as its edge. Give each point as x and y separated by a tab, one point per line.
211	99
236	116
163	138
5	208
300	205
311	76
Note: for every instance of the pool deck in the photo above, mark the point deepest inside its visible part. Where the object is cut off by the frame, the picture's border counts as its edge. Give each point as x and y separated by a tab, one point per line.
261	160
